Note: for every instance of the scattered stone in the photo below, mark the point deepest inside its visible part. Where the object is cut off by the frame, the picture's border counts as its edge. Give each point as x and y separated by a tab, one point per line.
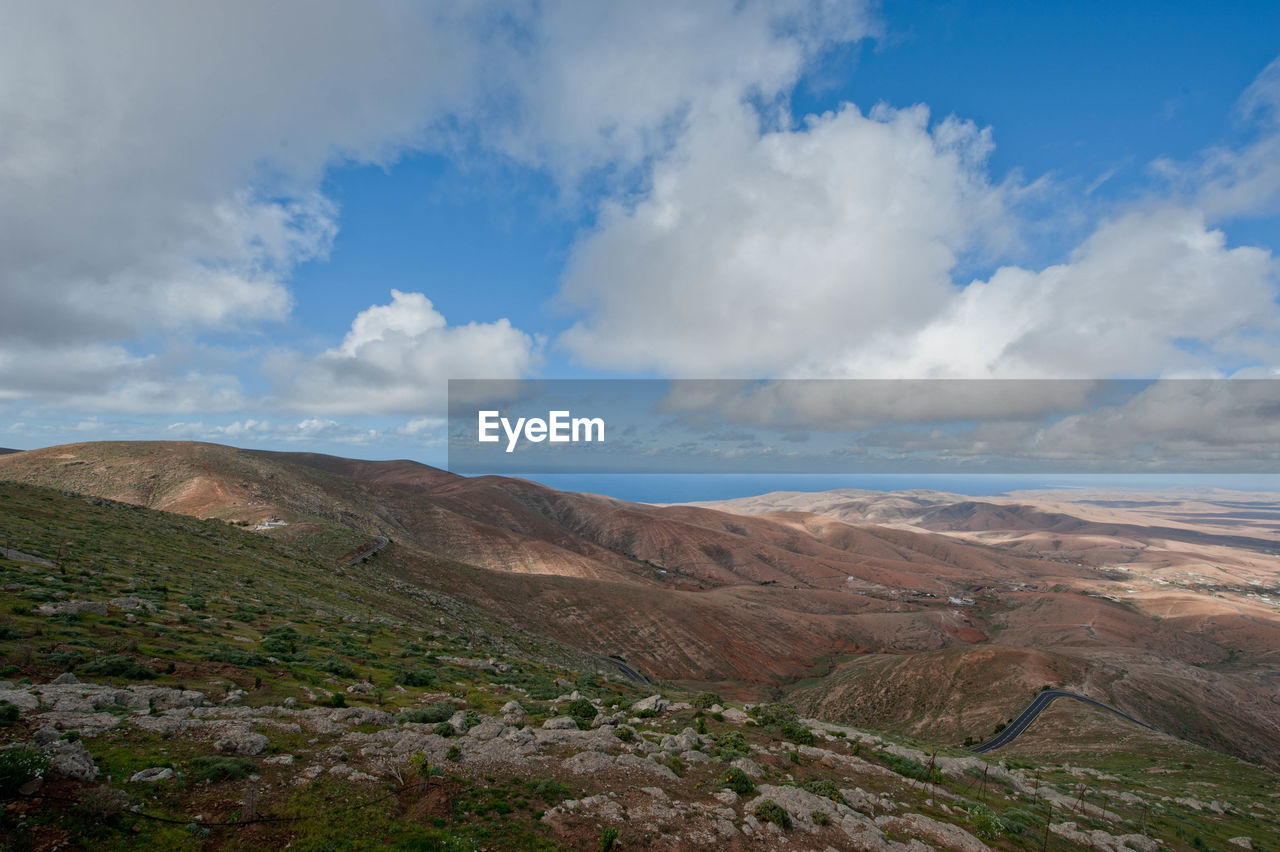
64	679
72	608
244	743
1242	842
132	604
152	775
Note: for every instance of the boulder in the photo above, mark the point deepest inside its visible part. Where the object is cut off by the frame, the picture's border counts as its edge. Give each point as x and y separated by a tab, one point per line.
71	760
20	698
244	743
152	774
487	730
560	723
655	703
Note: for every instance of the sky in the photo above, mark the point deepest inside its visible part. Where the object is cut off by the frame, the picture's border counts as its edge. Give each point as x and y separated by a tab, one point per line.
287	226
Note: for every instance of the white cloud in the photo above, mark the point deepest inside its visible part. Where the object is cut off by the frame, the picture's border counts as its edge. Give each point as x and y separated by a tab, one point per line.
776	252
832	250
1156	292
397	357
597	85
161	164
311	429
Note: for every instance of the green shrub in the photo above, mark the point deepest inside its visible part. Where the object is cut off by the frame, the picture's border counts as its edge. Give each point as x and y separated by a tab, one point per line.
581	711
18	766
909	768
706	700
771	811
796	733
453	754
415	677
826	788
337	700
986	824
195	602
732	745
820	818
626	733
444	729
212	769
8	713
438	712
608	838
235	657
281	639
117	665
738	781
773	714
337	668
550	790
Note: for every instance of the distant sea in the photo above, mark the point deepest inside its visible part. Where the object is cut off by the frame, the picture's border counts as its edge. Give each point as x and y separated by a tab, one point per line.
685	488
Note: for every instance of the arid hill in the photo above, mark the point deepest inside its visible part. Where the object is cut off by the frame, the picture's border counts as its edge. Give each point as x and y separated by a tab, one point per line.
930	613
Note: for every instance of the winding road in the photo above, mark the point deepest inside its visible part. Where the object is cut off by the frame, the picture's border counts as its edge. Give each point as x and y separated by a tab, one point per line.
626	670
1034	709
381	542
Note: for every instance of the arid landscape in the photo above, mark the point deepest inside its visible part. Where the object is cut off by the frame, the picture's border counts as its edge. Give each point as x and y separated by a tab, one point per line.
928	617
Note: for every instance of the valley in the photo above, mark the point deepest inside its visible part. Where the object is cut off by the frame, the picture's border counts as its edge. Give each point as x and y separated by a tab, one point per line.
829	631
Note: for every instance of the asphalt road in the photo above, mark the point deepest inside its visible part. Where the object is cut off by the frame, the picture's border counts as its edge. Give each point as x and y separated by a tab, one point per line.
1034	709
382	542
627	672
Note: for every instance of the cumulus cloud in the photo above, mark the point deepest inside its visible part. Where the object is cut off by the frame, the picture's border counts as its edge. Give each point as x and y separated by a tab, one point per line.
1155	292
161	165
777	252
608	85
396	358
832	250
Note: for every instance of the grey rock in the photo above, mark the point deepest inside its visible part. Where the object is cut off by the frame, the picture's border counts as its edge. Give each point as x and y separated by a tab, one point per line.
152	774
487	730
132	604
64	679
560	723
654	702
244	743
71	760
20	698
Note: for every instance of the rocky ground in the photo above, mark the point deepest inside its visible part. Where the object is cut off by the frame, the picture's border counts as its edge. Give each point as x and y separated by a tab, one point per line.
639	776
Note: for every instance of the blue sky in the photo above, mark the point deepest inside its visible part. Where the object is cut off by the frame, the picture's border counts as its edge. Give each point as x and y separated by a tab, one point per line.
206	212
